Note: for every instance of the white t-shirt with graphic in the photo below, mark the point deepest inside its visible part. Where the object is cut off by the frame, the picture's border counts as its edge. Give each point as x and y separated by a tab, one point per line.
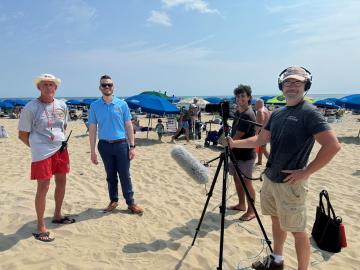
45	122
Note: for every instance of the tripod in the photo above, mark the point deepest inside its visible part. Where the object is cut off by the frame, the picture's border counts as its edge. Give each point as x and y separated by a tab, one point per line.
224	160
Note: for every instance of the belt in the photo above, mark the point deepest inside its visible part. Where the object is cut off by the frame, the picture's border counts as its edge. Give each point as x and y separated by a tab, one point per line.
114	141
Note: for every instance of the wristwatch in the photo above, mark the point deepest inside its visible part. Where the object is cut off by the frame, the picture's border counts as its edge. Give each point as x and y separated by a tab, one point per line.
132	145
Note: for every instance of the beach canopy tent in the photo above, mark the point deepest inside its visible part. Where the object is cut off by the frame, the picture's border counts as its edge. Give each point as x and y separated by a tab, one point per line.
74	102
328	103
154	93
214	100
280	99
351	102
187	101
6	105
151	104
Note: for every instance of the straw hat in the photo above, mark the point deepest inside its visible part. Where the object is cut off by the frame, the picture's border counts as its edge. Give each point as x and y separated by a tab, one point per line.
47	77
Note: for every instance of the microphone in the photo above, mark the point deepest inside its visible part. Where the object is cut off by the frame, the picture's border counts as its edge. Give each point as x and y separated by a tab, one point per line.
190	164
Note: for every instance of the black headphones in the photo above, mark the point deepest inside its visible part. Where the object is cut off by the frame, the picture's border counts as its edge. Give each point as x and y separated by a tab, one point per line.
308	80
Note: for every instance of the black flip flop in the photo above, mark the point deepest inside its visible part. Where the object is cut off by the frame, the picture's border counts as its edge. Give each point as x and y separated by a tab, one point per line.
64	220
43	237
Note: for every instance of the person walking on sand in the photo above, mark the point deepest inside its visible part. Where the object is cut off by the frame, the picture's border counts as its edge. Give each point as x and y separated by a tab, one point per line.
42	127
292	131
112	118
262	116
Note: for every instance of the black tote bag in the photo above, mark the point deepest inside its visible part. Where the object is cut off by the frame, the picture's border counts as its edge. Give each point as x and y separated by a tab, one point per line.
326	229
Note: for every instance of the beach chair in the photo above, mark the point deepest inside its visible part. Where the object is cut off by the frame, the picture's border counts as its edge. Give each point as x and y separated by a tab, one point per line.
171	126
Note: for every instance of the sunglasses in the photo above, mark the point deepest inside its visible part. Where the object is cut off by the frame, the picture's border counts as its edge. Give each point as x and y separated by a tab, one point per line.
104	85
296	83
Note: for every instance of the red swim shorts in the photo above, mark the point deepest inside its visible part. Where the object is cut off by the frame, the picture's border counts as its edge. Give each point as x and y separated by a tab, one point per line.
58	163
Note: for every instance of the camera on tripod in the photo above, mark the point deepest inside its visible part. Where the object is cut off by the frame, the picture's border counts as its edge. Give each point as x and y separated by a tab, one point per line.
223	108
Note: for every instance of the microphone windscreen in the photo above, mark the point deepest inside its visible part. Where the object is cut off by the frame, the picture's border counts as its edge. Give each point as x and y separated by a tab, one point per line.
190	164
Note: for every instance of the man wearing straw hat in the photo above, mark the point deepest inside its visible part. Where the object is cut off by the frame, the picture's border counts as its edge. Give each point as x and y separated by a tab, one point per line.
292	131
111	117
42	127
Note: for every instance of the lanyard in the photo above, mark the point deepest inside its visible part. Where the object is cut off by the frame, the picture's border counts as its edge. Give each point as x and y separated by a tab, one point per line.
50	124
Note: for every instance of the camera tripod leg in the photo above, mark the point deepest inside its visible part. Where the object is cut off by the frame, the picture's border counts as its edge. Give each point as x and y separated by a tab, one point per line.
209	195
251	200
223	207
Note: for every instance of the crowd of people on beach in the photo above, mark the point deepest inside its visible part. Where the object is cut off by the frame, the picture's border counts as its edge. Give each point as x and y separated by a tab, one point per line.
290	130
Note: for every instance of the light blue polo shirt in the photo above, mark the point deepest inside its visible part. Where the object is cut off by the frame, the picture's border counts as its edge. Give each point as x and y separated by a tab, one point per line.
110	118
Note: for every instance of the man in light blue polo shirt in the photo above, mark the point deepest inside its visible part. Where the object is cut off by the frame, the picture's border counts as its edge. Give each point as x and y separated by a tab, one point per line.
111	117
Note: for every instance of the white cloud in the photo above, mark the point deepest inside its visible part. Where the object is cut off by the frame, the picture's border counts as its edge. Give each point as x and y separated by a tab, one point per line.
159	17
196	5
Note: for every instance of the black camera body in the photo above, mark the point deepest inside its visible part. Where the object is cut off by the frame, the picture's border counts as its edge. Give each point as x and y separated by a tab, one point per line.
223	108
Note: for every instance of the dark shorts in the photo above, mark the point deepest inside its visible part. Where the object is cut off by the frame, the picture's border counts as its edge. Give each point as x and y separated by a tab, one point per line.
246	167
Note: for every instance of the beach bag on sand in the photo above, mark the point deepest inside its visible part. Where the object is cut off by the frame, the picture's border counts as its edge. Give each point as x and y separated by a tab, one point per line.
328	230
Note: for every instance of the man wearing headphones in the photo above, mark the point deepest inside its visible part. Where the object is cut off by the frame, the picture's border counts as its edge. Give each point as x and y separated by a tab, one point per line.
291	131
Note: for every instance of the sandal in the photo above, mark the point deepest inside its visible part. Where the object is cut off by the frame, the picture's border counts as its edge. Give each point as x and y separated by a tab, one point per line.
235	208
43	237
247	217
64	220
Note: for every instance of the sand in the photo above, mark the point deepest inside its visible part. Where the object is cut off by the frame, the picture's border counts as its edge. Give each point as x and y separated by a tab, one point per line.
173	202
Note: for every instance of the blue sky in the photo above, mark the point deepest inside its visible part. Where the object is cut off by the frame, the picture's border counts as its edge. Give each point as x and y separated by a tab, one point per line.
186	47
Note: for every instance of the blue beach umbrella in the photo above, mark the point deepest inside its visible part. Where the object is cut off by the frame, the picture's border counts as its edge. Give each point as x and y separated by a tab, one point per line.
213	100
73	102
16	102
6	105
326	103
88	101
151	104
350	102
20	102
174	99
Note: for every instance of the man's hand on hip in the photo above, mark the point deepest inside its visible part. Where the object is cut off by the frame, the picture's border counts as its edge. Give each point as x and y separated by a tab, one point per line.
295	176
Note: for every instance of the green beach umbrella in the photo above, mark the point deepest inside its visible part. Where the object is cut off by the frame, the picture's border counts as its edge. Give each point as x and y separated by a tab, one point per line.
154	93
280	99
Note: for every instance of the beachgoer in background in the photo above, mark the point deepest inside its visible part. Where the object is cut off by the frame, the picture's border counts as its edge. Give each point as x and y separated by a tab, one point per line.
160	129
135	123
291	131
42	127
262	117
116	145
183	125
245	158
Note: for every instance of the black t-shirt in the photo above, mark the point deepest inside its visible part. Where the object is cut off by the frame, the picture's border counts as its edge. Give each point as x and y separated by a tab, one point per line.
248	129
292	131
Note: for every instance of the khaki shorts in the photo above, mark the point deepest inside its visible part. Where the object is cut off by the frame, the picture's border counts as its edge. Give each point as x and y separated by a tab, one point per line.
285	201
